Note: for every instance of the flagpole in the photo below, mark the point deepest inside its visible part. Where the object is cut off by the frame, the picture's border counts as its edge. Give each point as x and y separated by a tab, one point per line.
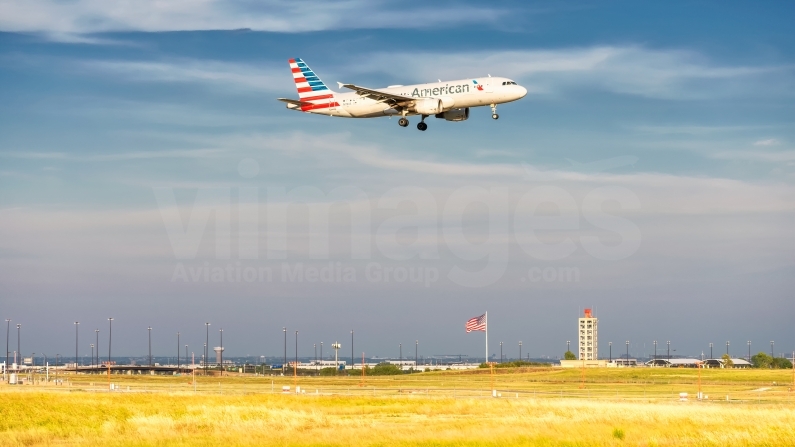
487	337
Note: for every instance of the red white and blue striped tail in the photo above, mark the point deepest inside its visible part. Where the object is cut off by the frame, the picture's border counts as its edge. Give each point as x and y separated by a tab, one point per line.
309	86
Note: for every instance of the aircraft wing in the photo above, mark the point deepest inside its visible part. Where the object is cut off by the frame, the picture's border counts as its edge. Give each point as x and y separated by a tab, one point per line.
389	98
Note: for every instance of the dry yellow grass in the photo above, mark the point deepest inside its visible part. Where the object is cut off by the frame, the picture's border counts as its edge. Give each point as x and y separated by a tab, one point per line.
43	418
241	411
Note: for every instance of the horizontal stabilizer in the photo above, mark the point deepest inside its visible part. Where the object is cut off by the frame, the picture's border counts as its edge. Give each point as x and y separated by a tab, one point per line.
294	102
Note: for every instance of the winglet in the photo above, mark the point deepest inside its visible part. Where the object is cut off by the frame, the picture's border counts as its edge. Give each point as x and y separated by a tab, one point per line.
339	84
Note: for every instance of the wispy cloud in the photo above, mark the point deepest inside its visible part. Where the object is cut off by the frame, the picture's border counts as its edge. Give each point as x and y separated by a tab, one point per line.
767	142
133	155
695	129
373	156
662	193
630	70
225	75
68	20
782	156
633	70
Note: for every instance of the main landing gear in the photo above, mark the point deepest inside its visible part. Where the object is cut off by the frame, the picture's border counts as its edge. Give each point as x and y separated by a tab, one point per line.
421	125
494	112
403	122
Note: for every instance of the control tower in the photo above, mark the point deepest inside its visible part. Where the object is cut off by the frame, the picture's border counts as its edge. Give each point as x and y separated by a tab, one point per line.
219	352
588	337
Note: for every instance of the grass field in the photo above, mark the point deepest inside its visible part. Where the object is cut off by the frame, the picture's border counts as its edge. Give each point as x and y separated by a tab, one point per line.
545	406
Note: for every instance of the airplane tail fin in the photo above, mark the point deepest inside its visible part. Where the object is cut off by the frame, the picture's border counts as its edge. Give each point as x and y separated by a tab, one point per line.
309	86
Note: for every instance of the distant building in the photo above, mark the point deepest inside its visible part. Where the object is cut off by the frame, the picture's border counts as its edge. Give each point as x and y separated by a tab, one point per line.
623	362
674	363
693	363
584	363
588	337
719	363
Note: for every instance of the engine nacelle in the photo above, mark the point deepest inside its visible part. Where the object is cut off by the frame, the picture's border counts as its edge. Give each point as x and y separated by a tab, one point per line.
455	114
429	106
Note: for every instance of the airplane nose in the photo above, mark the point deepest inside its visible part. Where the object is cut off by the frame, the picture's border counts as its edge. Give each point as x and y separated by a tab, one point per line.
522	91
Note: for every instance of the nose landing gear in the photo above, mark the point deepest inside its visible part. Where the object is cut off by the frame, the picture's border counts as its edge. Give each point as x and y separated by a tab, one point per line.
494	112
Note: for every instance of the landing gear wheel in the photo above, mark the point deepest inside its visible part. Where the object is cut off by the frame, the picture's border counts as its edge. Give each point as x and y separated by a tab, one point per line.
422	126
403	122
494	112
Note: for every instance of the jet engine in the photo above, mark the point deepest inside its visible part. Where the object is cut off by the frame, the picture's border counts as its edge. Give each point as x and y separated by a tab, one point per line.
455	114
428	106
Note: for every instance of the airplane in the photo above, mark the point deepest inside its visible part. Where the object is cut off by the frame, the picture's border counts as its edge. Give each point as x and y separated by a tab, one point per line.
445	100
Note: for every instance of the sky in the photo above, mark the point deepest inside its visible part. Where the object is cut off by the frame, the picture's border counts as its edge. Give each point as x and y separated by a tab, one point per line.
148	174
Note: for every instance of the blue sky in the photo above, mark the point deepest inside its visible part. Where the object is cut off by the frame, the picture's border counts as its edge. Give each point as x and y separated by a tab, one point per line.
676	120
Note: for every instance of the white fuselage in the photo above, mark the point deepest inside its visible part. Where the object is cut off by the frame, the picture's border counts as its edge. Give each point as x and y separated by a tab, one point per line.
454	95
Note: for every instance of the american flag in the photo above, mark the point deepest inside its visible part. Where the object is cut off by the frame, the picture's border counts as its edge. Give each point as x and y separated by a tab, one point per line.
476	324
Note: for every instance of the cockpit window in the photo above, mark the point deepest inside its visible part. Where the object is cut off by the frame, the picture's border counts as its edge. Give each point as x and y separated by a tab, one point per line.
509	83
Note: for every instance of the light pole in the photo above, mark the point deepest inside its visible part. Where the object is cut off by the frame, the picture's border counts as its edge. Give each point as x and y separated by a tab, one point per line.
727	347
520	351
401	356
19	343
627	352
96	332
568	345
110	338
321	351
351	350
284	329
206	345
771	349
610	344
92	355
186	354
315	346
8	331
177	352
150	345
749	351
500	352
77	323
336	347
710	351
222	350
416	350
296	350
654	363
669	351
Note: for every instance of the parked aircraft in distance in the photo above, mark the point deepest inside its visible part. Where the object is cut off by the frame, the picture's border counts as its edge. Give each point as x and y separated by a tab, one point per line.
447	100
